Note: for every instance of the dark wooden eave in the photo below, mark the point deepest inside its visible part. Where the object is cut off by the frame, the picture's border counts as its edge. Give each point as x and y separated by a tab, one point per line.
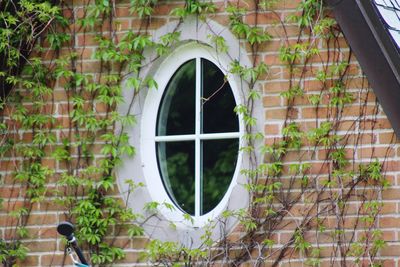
375	50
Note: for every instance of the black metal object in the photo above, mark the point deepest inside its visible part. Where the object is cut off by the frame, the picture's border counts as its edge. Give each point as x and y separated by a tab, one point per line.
67	229
374	49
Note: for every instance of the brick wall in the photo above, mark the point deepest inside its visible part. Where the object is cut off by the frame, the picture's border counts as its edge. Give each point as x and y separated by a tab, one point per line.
365	131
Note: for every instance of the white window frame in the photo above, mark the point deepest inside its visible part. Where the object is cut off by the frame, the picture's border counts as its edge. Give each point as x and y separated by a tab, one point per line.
192	33
148	139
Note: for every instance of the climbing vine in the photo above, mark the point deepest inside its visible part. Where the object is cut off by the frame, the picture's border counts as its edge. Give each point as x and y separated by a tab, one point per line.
63	138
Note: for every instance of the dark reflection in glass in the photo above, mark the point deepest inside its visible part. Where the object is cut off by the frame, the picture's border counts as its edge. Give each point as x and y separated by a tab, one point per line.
176	164
177	110
218	101
219	163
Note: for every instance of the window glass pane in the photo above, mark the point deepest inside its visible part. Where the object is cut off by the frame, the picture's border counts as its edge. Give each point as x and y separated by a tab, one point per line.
177	110
390	14
219	162
218	101
176	165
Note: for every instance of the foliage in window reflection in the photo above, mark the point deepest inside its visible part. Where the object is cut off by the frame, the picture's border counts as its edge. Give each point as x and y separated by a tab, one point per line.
217	175
181	181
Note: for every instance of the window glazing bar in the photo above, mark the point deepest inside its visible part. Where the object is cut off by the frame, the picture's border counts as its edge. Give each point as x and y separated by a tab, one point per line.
175	138
192	137
197	168
217	136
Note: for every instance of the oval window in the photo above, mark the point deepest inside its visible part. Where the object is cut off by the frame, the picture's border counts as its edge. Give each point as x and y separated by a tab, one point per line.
197	137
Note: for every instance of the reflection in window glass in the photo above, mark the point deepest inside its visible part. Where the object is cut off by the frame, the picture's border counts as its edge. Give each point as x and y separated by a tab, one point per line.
212	165
177	111
389	11
218	101
219	161
176	163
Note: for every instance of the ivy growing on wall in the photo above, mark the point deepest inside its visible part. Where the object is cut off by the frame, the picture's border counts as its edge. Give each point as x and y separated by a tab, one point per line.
85	138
